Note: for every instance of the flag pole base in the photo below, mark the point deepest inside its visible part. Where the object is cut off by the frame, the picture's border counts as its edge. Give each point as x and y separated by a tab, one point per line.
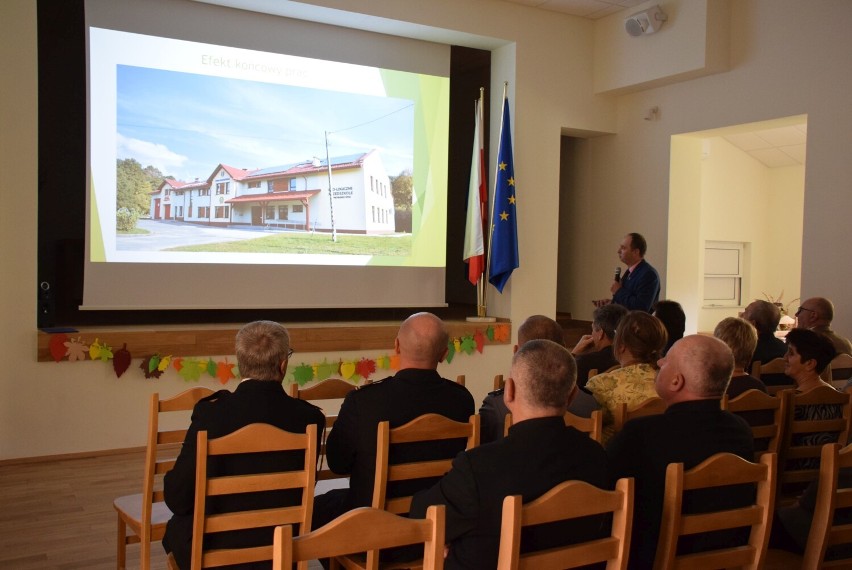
481	319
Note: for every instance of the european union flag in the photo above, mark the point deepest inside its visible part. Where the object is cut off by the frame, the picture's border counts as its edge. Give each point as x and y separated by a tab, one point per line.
504	227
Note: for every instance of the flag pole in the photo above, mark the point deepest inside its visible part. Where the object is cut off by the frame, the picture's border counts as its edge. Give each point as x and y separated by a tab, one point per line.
481	283
494	188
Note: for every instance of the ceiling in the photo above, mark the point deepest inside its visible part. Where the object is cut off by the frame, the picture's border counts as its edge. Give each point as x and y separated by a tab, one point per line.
775	147
591	9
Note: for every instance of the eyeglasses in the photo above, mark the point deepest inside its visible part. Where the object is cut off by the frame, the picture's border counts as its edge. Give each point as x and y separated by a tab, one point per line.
290	352
800	309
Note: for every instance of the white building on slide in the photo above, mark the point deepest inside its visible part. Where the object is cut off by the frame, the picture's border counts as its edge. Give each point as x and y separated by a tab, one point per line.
292	196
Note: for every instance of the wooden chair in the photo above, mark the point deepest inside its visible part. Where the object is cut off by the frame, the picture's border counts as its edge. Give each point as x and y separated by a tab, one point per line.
839	369
142	517
720	470
361	530
329	389
802	441
498	382
460	379
254	438
568	500
649	407
592	425
428	427
772	374
831	496
751	405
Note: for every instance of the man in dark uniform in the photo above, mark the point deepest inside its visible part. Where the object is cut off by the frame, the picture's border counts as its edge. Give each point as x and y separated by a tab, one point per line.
263	351
416	389
539	453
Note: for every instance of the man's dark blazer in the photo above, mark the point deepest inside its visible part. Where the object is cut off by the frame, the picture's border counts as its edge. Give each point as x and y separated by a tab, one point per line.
351	445
688	433
254	401
537	455
600	360
769	347
640	289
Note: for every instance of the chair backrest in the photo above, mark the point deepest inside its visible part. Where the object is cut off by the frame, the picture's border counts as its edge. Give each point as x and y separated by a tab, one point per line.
329	389
771	373
592	425
364	529
763	414
568	500
833	495
253	438
460	379
649	407
720	470
825	418
164	444
498	382
428	427
840	368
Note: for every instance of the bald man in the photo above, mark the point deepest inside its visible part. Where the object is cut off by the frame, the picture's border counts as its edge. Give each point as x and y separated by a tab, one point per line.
417	389
816	314
691	380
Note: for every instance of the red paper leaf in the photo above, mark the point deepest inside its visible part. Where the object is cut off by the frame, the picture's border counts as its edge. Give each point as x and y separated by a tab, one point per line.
365	367
121	360
479	338
57	346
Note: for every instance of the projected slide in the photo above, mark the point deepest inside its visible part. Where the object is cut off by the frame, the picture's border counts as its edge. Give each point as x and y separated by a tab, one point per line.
209	154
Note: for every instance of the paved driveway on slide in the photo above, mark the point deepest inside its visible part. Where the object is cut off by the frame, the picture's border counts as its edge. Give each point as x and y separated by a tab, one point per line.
165	235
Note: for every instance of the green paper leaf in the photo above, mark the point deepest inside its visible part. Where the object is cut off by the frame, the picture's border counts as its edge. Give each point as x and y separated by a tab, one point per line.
190	371
303	374
326	369
212	368
451	352
153	362
489	332
468	345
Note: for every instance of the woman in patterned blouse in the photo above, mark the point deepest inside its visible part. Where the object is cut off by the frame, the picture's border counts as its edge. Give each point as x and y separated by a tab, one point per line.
639	342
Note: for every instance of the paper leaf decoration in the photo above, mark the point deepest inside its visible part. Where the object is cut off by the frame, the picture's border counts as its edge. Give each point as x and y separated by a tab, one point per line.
76	349
211	367
163	365
479	339
451	351
501	333
100	351
236	370
365	368
94	350
177	363
383	362
326	369
489	332
468	345
457	345
394	362
57	346
121	361
347	369
303	374
151	370
224	372
190	371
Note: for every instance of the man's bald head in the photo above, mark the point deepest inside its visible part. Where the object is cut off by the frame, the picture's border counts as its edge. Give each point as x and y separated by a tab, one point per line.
539	327
764	315
696	367
422	341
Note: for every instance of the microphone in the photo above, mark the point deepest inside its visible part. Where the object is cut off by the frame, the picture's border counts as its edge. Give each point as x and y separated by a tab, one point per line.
617	274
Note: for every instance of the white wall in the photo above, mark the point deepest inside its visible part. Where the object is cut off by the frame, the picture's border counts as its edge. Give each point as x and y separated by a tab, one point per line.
785	61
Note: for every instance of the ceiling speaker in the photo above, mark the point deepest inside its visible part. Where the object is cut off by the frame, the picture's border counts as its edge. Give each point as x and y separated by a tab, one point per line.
645	22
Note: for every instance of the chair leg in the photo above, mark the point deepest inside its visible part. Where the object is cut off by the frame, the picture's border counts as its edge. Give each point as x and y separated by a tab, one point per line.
121	539
171	562
145	552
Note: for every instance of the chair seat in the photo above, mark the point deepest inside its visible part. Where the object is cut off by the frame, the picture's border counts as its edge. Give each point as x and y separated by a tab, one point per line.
129	508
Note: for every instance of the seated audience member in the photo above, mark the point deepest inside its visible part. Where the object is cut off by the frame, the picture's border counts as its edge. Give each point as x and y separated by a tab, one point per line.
808	353
765	317
741	338
594	351
493	411
673	318
539	453
262	350
638	344
416	389
816	314
692	378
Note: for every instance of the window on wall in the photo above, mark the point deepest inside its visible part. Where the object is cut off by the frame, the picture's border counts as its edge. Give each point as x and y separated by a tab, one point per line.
221	188
270	212
724	264
254	184
203	211
282	212
298	209
222	211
